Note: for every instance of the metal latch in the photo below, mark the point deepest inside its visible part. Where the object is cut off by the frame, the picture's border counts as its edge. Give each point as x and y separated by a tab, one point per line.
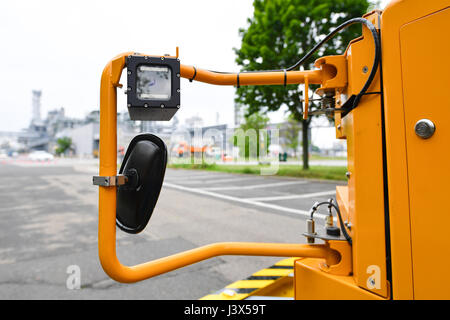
110	181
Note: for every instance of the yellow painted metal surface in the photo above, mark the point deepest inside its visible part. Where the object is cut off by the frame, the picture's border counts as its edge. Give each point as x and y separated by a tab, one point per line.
312	284
364	202
428	159
405	80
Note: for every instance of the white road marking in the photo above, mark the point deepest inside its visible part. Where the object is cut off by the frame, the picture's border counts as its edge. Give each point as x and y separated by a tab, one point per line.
218	180
251	202
294	196
256	186
194	176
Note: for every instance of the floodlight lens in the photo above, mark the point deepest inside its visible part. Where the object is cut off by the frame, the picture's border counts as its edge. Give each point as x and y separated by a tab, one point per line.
153	82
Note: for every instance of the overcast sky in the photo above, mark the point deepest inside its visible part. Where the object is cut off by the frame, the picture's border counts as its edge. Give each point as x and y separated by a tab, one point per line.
61	47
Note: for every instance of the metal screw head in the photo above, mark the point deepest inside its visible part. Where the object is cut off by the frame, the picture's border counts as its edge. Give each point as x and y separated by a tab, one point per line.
178	106
178	90
162	58
162	106
424	128
178	75
347	174
365	69
128	72
145	105
128	105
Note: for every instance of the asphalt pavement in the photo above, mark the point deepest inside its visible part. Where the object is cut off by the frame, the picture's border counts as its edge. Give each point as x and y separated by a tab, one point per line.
49	224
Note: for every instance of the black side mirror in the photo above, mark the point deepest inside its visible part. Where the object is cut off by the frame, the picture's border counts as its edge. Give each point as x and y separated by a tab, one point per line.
144	165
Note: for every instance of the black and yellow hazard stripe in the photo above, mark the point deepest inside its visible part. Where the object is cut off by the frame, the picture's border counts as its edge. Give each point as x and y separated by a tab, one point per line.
274	281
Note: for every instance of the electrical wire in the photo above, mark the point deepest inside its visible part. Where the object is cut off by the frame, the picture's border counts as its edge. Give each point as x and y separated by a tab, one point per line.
341	222
329	36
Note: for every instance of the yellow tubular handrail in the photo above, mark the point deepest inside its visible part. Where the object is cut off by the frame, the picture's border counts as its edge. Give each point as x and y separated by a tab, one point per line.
107	195
252	78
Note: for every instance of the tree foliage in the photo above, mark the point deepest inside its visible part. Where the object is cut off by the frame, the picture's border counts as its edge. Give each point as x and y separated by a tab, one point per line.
279	34
250	138
63	144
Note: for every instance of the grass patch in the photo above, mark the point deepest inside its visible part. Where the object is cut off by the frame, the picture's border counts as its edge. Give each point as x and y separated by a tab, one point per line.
315	172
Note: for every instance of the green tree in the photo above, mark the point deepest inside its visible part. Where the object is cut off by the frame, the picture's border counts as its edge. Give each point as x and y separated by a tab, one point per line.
279	33
64	144
249	137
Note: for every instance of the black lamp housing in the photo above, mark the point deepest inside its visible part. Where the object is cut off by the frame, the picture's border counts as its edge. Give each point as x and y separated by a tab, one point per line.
153	87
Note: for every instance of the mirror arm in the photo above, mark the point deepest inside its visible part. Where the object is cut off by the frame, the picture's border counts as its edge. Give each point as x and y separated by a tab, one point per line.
255	78
107	194
126	274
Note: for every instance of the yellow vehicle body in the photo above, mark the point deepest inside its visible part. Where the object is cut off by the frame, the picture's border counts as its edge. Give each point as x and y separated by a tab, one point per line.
398	181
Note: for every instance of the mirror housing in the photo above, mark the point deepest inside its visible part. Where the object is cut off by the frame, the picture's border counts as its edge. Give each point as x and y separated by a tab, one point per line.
144	165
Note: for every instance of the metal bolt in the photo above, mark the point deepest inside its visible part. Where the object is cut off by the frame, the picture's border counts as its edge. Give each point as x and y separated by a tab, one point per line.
178	90
128	105
347	174
365	69
145	105
339	127
162	58
129	72
349	225
162	106
424	128
178	59
178	106
178	75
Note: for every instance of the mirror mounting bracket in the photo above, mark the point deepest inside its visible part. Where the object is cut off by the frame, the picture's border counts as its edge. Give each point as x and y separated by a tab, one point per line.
110	181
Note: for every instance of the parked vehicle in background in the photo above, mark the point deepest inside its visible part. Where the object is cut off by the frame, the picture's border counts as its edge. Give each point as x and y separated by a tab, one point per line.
40	155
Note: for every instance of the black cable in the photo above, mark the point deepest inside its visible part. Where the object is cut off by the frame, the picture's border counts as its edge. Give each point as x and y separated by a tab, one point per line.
344	230
344	25
341	222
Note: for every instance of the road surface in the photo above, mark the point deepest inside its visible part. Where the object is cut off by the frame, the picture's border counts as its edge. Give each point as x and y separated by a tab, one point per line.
49	223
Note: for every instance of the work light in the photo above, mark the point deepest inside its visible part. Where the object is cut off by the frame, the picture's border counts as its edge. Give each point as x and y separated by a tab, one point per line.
153	87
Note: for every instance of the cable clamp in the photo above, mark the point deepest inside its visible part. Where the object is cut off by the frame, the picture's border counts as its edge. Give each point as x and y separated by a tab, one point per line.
110	181
195	73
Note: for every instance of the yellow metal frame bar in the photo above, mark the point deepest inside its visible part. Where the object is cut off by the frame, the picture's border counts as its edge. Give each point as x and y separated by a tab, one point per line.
108	167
